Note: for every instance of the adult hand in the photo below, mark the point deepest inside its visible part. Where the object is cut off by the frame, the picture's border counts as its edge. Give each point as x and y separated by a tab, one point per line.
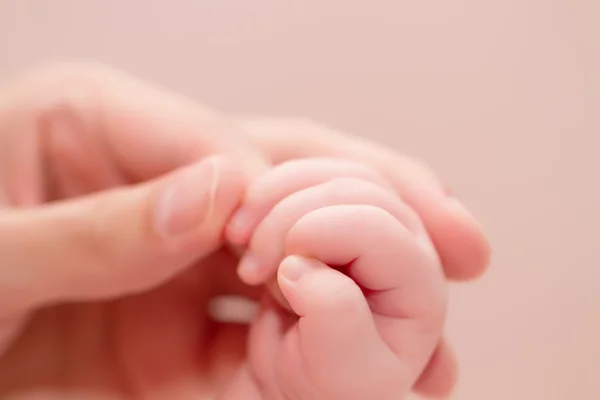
105	209
102	154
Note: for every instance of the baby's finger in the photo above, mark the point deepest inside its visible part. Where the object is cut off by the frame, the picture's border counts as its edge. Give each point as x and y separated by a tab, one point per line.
404	286
399	276
266	248
335	351
287	178
457	235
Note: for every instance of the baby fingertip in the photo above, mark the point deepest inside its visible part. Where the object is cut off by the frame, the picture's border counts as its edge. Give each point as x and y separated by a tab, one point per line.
293	268
249	268
239	227
289	277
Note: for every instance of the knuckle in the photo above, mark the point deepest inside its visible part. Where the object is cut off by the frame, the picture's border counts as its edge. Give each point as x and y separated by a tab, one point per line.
55	79
345	187
381	200
57	73
57	91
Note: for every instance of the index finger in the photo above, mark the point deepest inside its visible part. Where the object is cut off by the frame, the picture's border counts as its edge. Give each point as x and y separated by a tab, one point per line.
128	128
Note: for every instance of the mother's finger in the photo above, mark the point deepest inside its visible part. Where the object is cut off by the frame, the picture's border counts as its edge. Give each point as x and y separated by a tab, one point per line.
441	374
456	234
103	124
117	242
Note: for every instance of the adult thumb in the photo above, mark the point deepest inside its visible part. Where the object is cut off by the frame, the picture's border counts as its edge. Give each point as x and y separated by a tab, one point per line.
116	242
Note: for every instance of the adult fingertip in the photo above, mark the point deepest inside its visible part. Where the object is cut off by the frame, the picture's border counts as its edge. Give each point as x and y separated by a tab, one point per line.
462	212
439	379
187	200
465	249
198	196
457	235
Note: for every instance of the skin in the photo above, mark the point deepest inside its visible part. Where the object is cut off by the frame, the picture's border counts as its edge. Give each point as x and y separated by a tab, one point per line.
114	199
365	329
458	238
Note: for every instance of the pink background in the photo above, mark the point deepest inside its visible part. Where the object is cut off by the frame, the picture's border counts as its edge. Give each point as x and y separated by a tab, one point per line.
500	96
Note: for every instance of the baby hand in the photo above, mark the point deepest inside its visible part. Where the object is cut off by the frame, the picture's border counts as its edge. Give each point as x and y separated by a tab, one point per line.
357	268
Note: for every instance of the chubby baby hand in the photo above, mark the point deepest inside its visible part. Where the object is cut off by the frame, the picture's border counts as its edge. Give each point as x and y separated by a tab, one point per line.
358	295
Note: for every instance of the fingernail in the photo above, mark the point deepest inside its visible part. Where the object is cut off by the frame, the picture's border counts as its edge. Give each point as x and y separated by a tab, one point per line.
293	268
186	202
248	267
